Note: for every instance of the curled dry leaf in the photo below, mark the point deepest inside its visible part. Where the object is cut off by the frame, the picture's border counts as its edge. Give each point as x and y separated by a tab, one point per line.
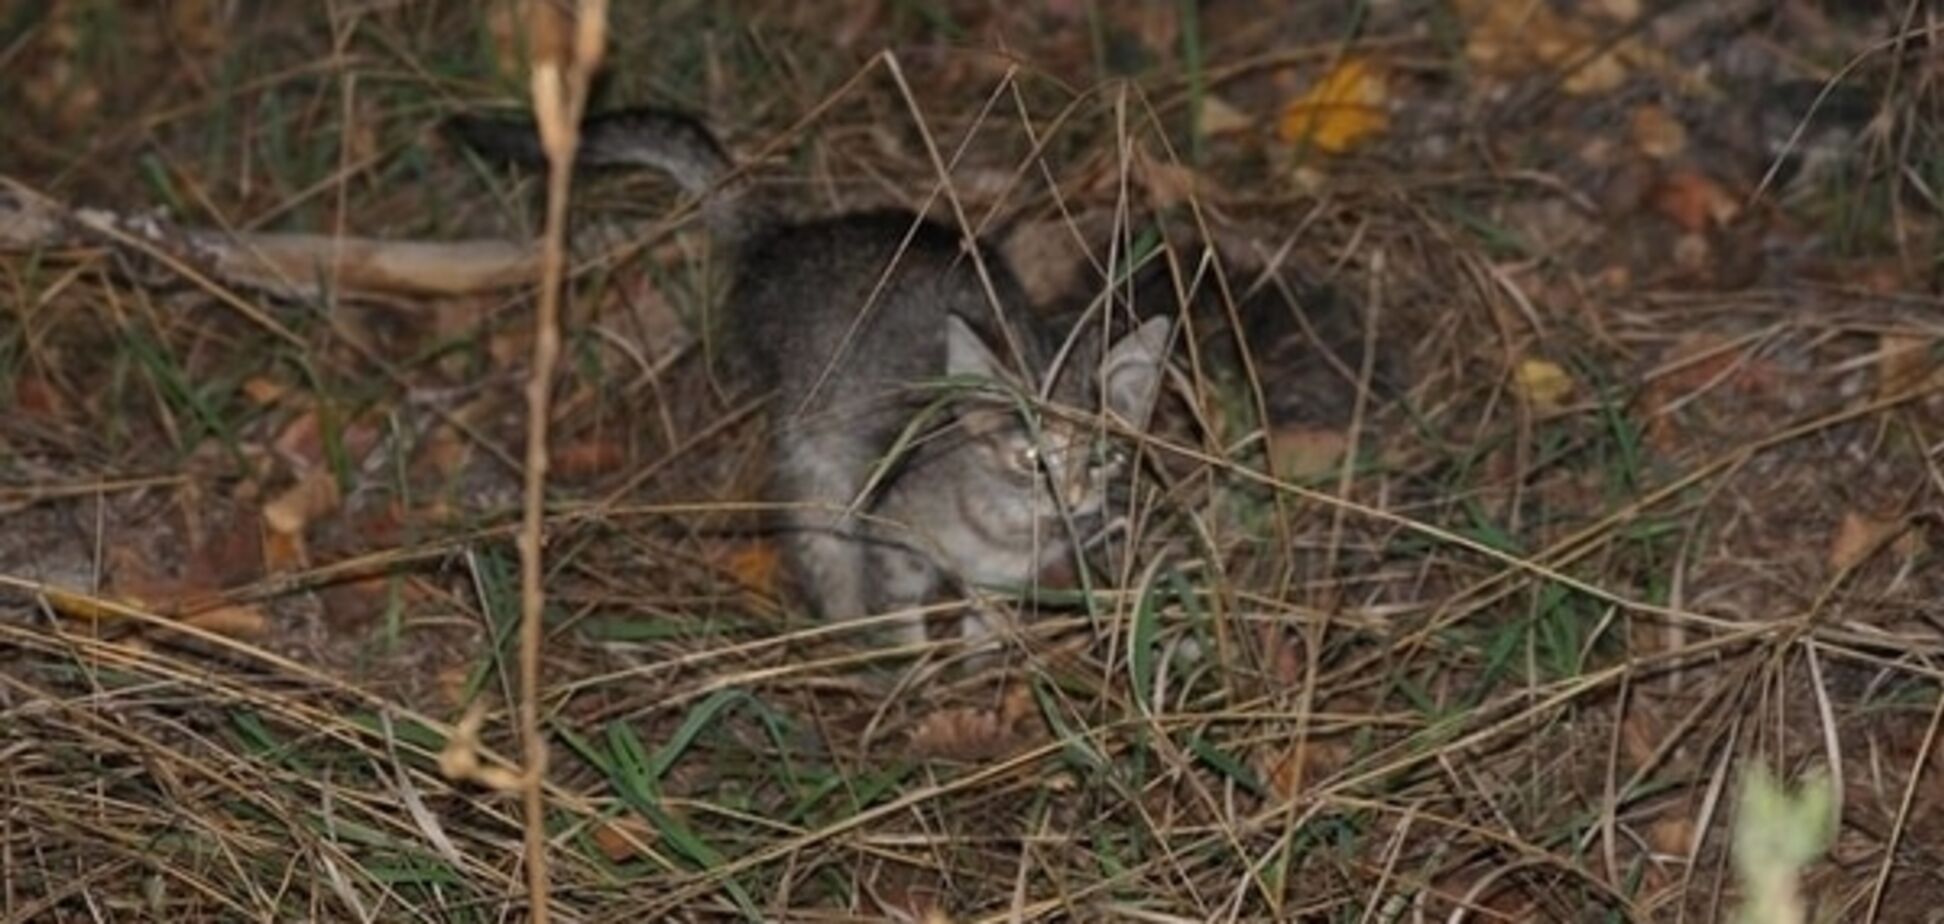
233	620
87	607
971	734
1344	109
314	495
962	733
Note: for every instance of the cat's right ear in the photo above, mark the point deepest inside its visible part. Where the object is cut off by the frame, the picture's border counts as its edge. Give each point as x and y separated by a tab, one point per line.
968	356
966	353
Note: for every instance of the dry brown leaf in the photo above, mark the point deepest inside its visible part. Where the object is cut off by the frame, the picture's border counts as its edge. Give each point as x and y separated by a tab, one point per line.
1168	184
263	391
234	620
621	839
1671	835
1345	108
1904	361
963	733
1307	452
75	604
1656	133
315	495
284	552
754	565
1856	537
1218	117
1693	201
35	396
588	458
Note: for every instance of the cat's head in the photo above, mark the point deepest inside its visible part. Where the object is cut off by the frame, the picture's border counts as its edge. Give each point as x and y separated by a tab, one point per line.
1063	460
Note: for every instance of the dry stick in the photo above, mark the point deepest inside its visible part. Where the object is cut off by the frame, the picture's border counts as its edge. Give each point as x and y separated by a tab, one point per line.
557	102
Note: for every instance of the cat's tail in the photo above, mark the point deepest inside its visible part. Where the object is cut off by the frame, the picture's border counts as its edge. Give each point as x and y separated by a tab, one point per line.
655	139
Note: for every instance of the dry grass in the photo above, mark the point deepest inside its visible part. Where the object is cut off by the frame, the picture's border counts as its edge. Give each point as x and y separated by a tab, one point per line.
1509	663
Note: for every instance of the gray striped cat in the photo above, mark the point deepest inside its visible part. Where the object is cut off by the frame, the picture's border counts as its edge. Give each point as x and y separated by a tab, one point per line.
894	479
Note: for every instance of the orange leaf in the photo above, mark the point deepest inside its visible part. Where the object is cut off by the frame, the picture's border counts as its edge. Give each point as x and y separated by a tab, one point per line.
1694	201
588	458
1342	110
313	496
622	838
754	566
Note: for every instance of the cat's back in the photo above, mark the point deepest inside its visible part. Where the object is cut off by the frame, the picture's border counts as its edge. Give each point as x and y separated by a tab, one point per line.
800	289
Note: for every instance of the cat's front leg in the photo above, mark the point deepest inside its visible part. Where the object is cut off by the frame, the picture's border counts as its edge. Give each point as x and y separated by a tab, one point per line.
902	579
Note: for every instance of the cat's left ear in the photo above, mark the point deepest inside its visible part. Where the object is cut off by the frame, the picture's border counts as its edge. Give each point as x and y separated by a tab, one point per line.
1130	374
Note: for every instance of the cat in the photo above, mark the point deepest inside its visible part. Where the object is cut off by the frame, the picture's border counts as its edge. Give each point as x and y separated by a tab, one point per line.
906	453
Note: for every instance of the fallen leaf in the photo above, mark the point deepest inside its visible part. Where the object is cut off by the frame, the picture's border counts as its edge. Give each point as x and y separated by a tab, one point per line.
1168	184
1544	384
1513	39
35	396
1307	452
1856	537
233	620
75	604
263	391
964	733
1671	835
1656	133
754	565
1342	110
1218	117
284	552
1903	362
1693	201
621	839
313	496
588	458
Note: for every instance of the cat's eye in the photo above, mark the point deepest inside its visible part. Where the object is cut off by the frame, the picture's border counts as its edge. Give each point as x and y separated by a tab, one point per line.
1108	458
1027	459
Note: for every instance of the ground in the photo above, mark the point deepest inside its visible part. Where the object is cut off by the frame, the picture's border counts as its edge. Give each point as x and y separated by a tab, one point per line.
1555	458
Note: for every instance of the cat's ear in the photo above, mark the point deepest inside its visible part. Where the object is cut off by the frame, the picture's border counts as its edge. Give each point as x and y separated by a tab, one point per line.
1130	374
966	353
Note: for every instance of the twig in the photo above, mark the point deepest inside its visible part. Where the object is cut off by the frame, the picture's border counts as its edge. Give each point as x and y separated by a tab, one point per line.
289	265
561	72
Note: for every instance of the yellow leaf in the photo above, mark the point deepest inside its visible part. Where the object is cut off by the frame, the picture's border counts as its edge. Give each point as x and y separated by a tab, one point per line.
1342	110
1544	384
